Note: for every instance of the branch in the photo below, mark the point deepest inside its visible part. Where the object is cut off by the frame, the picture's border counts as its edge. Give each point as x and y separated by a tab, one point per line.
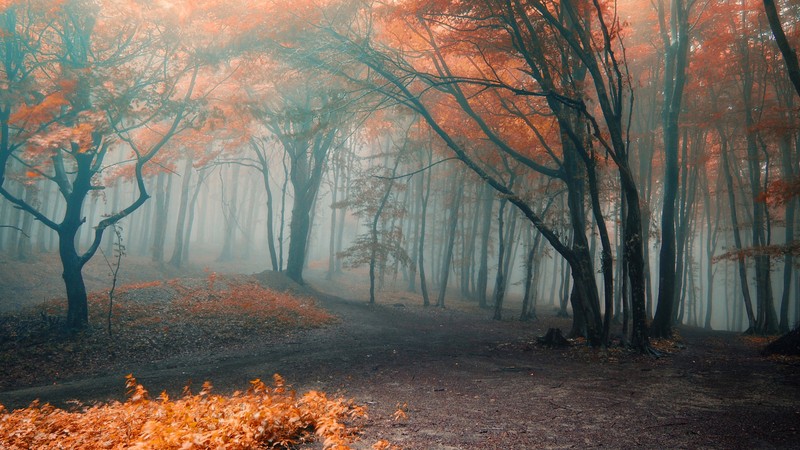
16	228
416	171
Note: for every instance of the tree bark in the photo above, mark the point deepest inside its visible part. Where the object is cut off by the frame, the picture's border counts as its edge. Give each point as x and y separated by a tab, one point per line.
486	228
788	53
180	227
457	192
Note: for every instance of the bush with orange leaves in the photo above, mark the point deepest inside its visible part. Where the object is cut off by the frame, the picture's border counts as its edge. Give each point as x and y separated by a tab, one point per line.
262	417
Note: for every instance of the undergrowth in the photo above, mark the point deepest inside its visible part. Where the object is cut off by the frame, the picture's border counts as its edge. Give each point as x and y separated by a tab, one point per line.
150	321
261	417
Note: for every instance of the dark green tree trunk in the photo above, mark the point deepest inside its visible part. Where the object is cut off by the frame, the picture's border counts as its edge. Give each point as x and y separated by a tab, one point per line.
486	228
456	196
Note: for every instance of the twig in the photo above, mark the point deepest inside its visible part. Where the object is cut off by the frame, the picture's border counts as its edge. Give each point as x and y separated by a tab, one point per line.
416	171
16	228
120	250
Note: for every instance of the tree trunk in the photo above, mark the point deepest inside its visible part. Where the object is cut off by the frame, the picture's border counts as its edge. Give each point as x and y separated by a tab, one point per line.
412	272
676	58
230	214
332	239
789	54
180	227
788	259
374	232
160	219
529	296
24	245
500	278
486	228
424	196
726	170
457	192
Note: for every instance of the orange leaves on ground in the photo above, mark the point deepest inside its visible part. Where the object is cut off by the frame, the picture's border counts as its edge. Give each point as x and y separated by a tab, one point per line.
248	298
220	299
261	417
400	414
150	321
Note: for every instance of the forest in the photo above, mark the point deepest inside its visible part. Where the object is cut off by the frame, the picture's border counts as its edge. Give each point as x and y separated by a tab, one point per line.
582	212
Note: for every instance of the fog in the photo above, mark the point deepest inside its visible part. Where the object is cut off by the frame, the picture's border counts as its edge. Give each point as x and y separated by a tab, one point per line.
653	180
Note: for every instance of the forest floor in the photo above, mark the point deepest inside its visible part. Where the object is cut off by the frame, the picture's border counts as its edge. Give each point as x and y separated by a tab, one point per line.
462	380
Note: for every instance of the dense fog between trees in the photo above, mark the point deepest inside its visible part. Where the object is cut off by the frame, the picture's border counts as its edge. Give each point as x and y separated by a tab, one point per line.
624	162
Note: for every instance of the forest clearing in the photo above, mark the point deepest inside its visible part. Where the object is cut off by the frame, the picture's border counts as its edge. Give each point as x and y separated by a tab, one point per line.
460	379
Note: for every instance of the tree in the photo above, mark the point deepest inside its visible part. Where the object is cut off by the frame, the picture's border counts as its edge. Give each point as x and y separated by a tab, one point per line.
675	40
88	86
789	54
414	62
307	121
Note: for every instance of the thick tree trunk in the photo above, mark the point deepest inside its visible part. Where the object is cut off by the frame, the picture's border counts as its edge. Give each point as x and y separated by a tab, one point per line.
71	262
299	227
24	246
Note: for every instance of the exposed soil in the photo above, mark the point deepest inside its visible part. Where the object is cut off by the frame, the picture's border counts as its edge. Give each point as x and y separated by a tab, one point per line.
467	382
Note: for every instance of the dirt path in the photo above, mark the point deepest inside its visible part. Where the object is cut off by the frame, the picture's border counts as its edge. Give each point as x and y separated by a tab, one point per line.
474	383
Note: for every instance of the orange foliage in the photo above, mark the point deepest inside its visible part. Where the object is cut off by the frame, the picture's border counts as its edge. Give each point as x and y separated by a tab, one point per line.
248	299
222	300
261	417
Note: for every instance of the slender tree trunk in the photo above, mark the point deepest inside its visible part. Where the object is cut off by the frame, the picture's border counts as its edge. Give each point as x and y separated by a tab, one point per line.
457	192
486	228
374	232
418	218
606	260
676	45
332	240
180	227
726	170
424	196
529	296
160	219
500	277
283	212
788	259
230	211
711	245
